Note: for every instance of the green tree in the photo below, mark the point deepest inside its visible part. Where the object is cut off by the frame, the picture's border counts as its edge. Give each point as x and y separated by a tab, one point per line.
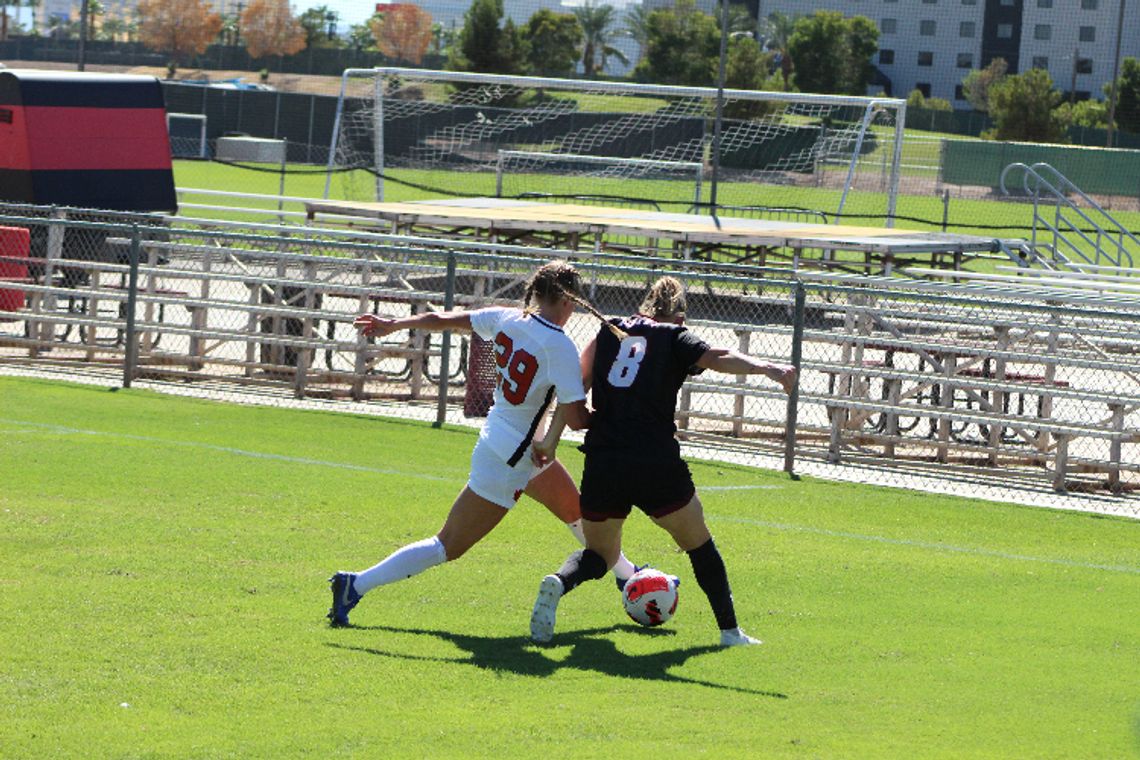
683	47
598	29
832	53
360	35
979	82
486	44
747	67
555	43
1024	108
317	23
1127	115
1084	113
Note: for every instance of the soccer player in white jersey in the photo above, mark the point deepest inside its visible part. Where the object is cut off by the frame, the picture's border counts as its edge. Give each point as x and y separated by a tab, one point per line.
535	361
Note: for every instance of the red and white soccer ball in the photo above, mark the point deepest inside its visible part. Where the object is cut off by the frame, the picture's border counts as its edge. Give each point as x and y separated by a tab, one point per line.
650	597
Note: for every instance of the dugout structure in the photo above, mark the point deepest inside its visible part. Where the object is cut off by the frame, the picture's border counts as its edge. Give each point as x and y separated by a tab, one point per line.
84	140
91	141
778	148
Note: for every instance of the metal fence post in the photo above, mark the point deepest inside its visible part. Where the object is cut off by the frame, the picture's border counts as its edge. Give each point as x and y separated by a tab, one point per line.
794	396
132	343
445	349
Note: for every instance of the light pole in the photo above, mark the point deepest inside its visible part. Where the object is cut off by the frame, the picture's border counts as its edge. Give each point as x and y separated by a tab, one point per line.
1115	76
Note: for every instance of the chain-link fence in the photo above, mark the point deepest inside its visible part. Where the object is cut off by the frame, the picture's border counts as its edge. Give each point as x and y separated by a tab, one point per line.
1002	390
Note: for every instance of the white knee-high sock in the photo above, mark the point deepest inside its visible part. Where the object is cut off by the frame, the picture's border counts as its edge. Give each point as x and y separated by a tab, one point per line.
403	563
623	569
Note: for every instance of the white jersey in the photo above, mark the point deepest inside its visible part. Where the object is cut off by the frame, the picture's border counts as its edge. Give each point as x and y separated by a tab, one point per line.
535	360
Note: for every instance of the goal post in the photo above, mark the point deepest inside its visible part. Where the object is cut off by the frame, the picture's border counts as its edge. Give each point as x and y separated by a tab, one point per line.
445	130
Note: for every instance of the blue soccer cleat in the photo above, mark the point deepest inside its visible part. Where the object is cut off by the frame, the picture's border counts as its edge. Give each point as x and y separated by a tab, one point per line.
344	598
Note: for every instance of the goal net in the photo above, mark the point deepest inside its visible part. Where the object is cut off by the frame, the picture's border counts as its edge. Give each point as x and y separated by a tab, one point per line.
445	131
187	135
522	174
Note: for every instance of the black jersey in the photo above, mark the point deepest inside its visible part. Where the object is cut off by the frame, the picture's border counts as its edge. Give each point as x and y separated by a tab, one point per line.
635	384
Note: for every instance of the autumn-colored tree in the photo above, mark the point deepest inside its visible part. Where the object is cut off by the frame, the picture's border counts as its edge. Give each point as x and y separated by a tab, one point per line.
181	28
403	32
270	28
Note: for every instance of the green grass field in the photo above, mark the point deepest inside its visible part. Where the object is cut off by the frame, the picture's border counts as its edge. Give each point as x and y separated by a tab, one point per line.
163	566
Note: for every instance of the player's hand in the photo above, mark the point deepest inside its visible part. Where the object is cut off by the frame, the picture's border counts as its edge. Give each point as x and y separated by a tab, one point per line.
785	375
542	453
374	326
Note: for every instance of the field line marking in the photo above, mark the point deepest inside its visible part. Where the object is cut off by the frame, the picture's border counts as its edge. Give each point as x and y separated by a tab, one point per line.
36	427
976	551
47	427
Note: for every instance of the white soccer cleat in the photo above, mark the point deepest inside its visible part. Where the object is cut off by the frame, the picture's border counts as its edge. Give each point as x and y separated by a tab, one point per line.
545	609
734	637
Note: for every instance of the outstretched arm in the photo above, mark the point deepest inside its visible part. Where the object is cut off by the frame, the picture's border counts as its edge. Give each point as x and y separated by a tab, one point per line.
435	321
732	362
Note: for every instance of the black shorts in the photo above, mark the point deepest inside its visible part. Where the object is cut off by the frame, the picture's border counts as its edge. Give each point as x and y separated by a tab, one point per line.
613	482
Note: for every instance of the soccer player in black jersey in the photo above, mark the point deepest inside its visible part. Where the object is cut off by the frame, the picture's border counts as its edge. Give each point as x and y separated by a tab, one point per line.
632	455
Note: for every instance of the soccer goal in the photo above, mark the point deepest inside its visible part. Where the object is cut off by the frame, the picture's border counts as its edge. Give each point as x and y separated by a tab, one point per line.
521	173
445	130
187	135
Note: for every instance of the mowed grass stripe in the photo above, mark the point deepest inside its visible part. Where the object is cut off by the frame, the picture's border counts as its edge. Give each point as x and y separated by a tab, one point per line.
189	584
981	551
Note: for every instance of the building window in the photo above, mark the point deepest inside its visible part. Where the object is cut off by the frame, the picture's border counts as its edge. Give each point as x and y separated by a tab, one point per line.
924	88
1008	3
1005	31
1044	3
1041	62
969	2
889	25
1088	34
966	29
1088	5
930	2
1084	65
927	28
925	58
965	60
1042	32
959	92
886	56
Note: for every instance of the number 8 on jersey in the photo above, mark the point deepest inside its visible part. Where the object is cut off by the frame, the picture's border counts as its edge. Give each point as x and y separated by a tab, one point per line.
628	360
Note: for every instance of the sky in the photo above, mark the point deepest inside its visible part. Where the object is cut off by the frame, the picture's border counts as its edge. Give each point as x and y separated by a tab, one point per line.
351	11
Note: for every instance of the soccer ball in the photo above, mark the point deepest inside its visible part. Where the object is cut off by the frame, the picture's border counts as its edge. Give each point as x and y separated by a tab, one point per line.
650	597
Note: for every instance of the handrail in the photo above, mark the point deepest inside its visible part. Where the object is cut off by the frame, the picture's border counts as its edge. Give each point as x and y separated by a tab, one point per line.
1042	176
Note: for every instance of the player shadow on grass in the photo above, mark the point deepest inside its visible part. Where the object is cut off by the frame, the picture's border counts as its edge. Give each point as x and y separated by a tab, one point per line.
590	652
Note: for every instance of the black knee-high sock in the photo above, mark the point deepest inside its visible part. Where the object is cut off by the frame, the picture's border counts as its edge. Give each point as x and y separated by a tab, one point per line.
581	566
713	580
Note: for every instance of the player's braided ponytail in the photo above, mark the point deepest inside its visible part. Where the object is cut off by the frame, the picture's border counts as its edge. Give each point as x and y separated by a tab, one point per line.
665	300
559	278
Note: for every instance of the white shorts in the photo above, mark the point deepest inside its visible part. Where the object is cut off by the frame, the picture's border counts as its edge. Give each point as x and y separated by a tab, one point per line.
495	480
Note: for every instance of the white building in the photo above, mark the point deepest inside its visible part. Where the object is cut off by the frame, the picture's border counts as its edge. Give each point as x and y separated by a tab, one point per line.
931	45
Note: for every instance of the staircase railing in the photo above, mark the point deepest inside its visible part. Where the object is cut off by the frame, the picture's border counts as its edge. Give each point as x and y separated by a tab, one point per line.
1072	233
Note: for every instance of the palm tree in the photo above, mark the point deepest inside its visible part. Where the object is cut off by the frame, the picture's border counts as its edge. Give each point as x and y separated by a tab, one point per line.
637	26
597	29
